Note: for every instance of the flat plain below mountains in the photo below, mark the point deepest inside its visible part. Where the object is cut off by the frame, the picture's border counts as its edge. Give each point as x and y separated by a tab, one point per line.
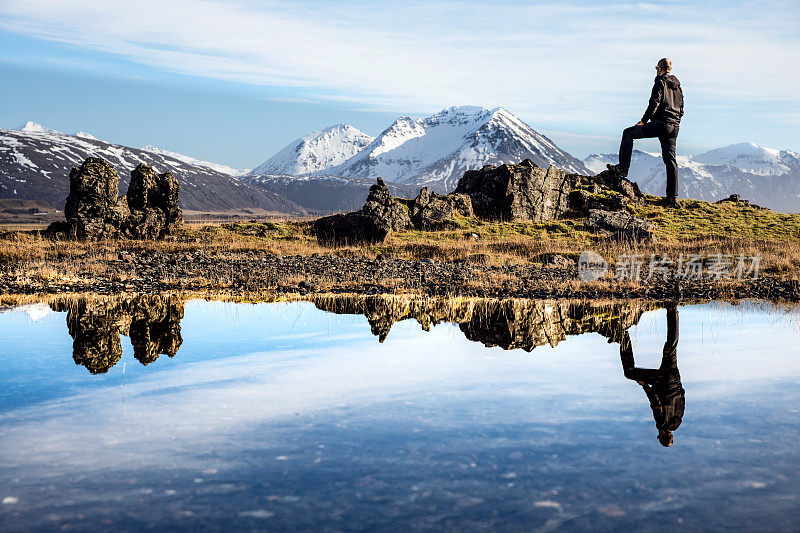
475	258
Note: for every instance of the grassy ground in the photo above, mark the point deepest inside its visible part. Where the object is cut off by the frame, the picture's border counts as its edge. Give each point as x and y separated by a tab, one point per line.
694	228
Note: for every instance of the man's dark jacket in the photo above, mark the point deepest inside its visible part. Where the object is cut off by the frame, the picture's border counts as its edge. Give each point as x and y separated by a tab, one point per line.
666	101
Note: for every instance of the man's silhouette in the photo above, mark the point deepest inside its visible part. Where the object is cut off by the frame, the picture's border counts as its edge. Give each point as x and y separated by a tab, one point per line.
661	119
663	385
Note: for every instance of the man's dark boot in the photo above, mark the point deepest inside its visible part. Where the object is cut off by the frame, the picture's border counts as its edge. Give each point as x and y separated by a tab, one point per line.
618	170
669	201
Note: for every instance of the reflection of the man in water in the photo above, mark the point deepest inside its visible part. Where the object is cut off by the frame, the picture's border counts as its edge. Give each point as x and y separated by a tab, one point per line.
662	385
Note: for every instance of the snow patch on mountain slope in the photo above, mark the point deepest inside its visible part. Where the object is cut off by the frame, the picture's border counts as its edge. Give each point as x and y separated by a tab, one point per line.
194	161
84	135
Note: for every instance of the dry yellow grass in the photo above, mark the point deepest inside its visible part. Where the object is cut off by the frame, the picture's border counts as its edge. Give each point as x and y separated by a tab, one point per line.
696	228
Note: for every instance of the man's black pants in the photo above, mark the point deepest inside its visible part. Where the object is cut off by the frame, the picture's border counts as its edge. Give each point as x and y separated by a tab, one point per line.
667	134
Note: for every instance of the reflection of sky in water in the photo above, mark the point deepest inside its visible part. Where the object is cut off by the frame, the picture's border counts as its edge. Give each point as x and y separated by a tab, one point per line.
283	416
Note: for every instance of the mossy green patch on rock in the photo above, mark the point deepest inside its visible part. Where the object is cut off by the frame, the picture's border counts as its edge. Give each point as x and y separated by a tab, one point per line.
694	220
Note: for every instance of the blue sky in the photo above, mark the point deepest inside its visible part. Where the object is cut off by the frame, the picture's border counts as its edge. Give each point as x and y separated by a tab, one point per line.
235	81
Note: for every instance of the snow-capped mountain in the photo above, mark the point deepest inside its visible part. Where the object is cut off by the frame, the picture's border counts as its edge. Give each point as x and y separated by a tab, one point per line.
316	151
437	150
752	158
765	176
35	163
189	160
34	127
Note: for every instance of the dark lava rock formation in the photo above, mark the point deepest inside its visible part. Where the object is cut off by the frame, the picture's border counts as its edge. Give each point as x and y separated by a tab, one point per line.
518	192
153	203
94	209
383	213
431	211
526	192
507	192
152	322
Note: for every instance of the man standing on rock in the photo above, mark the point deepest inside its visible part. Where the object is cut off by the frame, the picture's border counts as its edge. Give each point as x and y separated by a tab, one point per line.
661	119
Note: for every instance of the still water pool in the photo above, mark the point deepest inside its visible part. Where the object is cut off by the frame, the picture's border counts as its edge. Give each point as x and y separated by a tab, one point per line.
389	414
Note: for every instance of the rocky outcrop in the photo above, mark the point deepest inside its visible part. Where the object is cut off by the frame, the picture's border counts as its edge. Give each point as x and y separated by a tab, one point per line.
607	191
620	225
615	182
431	211
152	322
386	209
518	192
522	192
383	213
153	203
94	210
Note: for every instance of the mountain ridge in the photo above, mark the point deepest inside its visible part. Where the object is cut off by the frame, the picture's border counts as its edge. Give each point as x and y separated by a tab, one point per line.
35	165
435	151
766	176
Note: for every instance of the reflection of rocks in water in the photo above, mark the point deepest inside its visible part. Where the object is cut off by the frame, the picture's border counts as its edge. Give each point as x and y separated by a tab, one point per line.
152	322
383	311
509	324
527	324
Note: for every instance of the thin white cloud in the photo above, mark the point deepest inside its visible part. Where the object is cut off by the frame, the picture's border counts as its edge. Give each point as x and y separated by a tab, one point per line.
552	62
290	100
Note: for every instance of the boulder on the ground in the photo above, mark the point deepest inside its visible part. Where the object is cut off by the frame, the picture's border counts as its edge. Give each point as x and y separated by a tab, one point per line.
606	191
431	211
518	192
372	224
350	229
620	225
94	210
736	199
583	200
522	192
